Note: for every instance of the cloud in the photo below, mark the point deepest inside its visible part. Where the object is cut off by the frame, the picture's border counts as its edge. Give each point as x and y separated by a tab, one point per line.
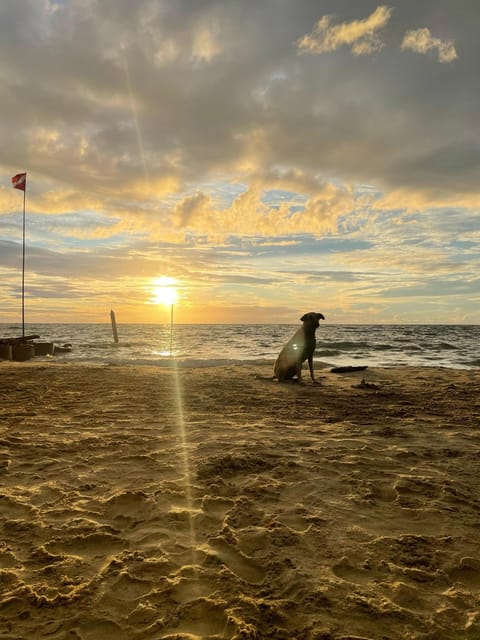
230	99
190	208
422	41
192	136
250	215
360	35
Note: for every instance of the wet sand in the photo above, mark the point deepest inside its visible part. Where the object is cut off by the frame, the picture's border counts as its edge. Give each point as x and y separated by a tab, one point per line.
142	503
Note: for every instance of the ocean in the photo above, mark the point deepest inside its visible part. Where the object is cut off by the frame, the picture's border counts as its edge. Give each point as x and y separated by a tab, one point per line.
451	346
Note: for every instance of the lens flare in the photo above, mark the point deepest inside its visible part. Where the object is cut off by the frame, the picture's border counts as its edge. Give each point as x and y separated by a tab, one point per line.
136	124
185	464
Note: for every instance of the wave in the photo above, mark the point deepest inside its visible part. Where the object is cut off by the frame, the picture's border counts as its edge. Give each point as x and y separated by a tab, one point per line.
328	352
372	346
345	345
175	363
445	345
217	345
472	363
357	346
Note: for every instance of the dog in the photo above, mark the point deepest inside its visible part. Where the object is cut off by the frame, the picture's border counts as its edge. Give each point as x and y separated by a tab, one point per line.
299	348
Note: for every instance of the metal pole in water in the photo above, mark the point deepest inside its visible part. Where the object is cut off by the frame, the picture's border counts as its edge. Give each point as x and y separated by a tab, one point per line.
114	325
171	329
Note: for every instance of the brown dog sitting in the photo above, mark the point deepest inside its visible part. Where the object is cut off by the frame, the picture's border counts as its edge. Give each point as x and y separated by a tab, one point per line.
299	348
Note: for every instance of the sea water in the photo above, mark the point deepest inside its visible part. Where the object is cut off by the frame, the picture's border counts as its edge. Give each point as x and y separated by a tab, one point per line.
451	346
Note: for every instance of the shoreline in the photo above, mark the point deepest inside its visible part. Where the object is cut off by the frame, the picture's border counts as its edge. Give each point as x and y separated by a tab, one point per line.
260	364
143	502
198	345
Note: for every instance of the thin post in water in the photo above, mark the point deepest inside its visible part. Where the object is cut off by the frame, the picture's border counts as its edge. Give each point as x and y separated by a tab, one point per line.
114	325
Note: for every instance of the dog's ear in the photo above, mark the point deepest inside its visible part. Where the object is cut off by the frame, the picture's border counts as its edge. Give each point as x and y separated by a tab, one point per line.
320	316
309	316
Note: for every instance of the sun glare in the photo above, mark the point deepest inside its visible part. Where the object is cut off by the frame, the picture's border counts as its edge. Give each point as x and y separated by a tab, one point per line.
164	291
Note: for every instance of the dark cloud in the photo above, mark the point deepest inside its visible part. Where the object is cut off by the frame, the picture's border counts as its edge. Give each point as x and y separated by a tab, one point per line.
203	79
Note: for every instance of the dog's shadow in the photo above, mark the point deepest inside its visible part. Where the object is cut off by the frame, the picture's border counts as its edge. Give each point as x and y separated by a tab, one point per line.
291	382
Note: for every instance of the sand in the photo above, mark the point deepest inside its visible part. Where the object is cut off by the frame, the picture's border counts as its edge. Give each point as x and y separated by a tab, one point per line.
142	503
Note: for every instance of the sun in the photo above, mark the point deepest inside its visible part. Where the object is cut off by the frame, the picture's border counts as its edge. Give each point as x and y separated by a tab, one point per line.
164	291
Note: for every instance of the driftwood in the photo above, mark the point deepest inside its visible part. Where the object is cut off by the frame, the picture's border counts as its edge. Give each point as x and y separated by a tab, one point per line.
348	369
18	340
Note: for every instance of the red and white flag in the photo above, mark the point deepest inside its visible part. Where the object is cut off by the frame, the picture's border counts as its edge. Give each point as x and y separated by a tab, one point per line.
19	181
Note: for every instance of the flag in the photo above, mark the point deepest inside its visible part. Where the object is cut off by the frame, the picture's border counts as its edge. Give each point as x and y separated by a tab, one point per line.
19	181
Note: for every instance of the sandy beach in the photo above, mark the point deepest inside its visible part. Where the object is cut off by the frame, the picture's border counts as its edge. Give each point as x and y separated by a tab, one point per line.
143	503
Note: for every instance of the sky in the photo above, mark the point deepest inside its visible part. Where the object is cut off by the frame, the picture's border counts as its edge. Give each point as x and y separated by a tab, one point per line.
264	158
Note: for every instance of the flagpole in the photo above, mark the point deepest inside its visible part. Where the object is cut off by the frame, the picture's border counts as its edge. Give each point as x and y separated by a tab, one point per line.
20	182
23	264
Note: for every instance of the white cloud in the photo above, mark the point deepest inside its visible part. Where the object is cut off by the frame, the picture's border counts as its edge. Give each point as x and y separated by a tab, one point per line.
250	215
422	41
360	35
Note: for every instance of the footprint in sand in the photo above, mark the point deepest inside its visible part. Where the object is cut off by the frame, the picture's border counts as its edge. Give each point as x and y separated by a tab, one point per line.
201	618
123	593
14	509
187	589
415	491
216	507
88	546
345	571
467	573
240	564
383	491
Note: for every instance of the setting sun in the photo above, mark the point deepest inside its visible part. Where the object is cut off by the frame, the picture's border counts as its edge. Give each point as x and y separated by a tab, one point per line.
164	291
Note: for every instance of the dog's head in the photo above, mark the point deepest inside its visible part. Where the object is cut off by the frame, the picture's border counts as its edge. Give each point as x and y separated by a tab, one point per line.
312	318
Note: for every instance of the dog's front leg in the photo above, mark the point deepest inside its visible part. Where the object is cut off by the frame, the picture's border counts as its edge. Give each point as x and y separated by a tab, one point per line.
312	374
299	372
